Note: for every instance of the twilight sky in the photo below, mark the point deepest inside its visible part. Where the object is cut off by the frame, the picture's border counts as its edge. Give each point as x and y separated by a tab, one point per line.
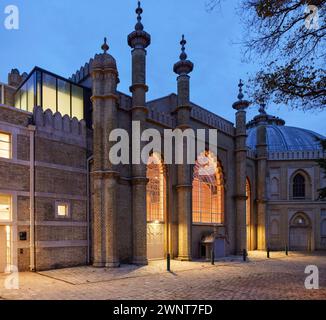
61	35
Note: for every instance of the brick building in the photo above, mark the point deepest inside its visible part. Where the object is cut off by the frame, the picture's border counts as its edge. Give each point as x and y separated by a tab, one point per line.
64	203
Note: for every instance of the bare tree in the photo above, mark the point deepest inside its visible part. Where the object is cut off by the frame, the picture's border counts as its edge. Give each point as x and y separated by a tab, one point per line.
288	37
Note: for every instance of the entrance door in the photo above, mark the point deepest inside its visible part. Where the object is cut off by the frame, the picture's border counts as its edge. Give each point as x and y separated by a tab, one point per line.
3	249
155	208
155	241
299	239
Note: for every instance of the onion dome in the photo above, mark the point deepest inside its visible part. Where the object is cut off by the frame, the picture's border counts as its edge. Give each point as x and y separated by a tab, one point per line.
139	38
281	137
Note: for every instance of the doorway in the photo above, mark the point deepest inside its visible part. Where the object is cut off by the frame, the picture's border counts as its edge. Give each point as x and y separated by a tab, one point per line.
156	203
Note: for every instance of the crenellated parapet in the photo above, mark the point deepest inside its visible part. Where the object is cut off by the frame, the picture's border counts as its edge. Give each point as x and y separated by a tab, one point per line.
162	118
212	120
83	73
60	128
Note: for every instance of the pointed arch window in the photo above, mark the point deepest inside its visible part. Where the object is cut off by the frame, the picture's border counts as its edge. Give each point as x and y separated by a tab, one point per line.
155	189
208	190
299	186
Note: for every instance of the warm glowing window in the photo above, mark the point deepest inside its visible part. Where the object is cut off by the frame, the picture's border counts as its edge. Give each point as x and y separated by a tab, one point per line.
49	92
5	145
155	190
62	210
5	208
52	92
64	97
208	190
77	99
248	202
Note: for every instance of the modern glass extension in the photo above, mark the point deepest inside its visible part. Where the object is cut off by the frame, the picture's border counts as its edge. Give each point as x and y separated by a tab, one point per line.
45	89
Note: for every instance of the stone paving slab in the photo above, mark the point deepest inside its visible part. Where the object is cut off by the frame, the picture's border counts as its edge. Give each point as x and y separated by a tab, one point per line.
273	279
82	275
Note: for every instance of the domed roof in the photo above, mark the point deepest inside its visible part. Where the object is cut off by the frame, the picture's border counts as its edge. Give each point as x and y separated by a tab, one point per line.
280	137
104	60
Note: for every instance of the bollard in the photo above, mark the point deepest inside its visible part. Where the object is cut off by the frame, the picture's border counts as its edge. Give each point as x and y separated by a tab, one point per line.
268	253
168	262
286	250
245	254
212	257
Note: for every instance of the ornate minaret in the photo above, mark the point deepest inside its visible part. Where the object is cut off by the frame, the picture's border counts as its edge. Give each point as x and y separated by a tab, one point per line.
241	158
184	187
139	40
261	148
104	99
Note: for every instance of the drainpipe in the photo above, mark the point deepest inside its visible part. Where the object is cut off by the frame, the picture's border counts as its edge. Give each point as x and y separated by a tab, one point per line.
88	211
32	129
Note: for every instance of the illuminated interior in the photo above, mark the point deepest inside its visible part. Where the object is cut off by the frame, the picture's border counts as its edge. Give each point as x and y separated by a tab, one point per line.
248	212
8	245
63	210
155	189
5	208
208	190
42	88
5	145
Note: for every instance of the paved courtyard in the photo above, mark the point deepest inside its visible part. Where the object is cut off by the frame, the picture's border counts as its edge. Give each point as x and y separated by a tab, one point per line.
280	277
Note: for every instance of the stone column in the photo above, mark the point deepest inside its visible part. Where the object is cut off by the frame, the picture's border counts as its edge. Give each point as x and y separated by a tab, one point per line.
241	174
261	186
139	40
184	186
104	99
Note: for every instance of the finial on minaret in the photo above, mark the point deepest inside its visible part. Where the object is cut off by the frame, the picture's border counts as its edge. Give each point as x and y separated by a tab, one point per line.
183	55
262	109
240	95
241	104
183	66
105	47
139	38
139	26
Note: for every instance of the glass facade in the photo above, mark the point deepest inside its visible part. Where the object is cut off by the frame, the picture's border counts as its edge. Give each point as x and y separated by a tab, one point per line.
49	91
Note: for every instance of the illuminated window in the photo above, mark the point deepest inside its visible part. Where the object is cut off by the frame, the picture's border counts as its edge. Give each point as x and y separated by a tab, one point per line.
64	97
77	97
208	190
5	208
5	145
155	190
52	92
299	186
49	92
62	209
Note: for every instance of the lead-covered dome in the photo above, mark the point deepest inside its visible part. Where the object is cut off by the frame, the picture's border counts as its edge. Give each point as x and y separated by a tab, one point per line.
281	137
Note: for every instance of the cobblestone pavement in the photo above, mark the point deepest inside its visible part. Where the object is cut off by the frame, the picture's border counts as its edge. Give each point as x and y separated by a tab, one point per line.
280	277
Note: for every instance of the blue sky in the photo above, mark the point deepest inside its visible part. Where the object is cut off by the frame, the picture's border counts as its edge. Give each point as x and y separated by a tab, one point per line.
61	35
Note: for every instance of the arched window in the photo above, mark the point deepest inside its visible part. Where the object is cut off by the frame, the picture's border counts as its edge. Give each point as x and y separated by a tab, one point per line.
208	190
299	186
275	186
155	189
